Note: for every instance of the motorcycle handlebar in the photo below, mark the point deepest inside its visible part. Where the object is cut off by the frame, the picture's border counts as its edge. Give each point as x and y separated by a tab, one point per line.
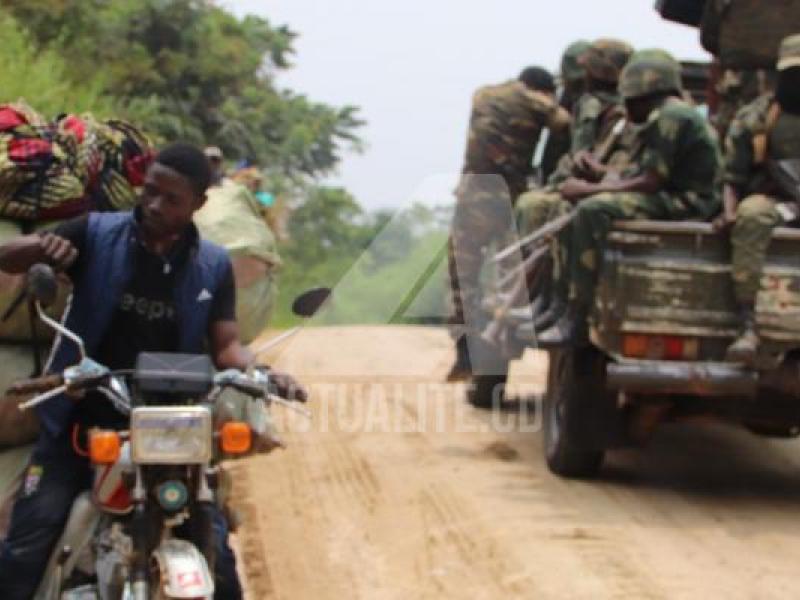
254	386
36	385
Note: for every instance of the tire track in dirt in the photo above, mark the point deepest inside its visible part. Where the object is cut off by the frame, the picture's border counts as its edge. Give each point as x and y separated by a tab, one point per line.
352	476
251	538
450	524
446	509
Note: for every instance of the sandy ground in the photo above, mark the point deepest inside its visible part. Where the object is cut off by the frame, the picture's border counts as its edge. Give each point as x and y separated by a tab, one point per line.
399	490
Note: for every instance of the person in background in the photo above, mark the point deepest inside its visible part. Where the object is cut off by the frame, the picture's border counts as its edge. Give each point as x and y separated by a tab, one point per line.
216	160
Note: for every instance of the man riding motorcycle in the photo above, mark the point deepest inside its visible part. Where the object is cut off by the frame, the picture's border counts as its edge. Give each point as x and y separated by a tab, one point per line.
142	281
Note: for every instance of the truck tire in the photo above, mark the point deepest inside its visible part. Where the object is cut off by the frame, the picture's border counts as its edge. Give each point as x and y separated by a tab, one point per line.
574	413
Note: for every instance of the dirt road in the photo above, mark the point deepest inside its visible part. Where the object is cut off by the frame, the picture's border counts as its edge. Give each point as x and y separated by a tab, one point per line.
458	505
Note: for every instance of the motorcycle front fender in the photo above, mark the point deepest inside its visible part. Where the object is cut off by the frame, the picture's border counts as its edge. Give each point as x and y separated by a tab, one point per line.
183	569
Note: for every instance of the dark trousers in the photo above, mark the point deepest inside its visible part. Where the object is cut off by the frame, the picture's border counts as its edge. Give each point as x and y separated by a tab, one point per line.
55	477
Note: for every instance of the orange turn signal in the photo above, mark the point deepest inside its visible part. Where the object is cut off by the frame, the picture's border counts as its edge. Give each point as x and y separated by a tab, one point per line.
104	447
236	437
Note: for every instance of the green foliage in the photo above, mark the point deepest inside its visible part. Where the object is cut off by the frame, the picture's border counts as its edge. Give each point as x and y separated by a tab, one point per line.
42	77
380	264
329	221
190	70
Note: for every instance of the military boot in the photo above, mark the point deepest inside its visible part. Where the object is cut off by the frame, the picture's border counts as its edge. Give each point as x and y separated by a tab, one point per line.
745	348
462	367
571	329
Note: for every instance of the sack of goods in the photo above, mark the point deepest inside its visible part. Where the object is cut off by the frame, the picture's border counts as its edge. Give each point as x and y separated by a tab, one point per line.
745	34
233	218
66	167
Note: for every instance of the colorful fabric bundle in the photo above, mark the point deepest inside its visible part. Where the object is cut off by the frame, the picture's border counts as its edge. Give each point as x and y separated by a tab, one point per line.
126	153
60	169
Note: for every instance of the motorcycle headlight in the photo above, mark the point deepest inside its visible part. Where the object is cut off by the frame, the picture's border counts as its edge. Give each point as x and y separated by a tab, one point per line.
171	435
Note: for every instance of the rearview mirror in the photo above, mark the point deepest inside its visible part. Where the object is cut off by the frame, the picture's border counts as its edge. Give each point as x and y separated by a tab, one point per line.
308	303
42	284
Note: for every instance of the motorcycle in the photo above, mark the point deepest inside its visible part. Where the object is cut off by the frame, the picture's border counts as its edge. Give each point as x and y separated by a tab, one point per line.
144	530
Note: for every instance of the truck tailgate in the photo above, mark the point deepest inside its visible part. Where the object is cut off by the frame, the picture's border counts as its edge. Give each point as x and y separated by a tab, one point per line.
673	278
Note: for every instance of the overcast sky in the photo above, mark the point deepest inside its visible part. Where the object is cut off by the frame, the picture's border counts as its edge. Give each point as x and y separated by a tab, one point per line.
412	65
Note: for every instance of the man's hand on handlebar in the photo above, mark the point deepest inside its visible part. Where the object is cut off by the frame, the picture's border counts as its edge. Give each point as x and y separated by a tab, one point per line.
284	385
57	251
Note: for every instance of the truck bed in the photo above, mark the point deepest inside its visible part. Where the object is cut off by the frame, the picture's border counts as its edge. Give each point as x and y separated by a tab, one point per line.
674	278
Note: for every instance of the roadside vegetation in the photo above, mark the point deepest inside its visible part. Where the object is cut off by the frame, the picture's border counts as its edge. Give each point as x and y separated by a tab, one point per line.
190	70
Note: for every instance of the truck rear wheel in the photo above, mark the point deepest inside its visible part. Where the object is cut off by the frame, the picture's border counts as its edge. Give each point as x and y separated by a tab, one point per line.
575	409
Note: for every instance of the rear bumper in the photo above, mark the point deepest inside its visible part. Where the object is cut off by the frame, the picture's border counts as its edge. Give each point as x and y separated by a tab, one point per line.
700	379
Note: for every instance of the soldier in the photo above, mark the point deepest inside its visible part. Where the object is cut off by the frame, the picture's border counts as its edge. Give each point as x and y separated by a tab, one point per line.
573	81
736	88
595	137
764	131
672	176
504	129
594	117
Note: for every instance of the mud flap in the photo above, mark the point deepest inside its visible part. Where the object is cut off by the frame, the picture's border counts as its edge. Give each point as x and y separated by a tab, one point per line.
184	571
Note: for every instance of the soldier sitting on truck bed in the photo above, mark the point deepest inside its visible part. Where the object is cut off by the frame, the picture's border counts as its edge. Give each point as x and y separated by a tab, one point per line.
763	132
572	78
672	177
595	134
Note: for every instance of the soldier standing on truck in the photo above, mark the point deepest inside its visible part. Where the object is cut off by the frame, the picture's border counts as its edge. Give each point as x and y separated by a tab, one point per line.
505	125
763	132
595	118
673	176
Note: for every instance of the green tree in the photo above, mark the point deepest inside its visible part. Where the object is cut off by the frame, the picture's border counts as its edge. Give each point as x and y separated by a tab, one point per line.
329	222
189	69
43	77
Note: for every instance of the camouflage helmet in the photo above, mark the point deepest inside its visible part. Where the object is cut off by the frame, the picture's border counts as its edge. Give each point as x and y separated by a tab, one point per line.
653	54
571	69
605	59
650	72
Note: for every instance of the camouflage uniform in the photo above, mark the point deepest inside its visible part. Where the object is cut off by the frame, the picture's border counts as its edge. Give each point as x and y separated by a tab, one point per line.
594	117
540	206
677	144
572	75
760	132
505	125
737	88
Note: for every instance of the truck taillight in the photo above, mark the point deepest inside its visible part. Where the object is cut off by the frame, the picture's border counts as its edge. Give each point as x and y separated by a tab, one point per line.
659	347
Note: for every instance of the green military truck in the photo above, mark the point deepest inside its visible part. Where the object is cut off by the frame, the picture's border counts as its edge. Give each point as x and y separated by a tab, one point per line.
664	315
664	312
